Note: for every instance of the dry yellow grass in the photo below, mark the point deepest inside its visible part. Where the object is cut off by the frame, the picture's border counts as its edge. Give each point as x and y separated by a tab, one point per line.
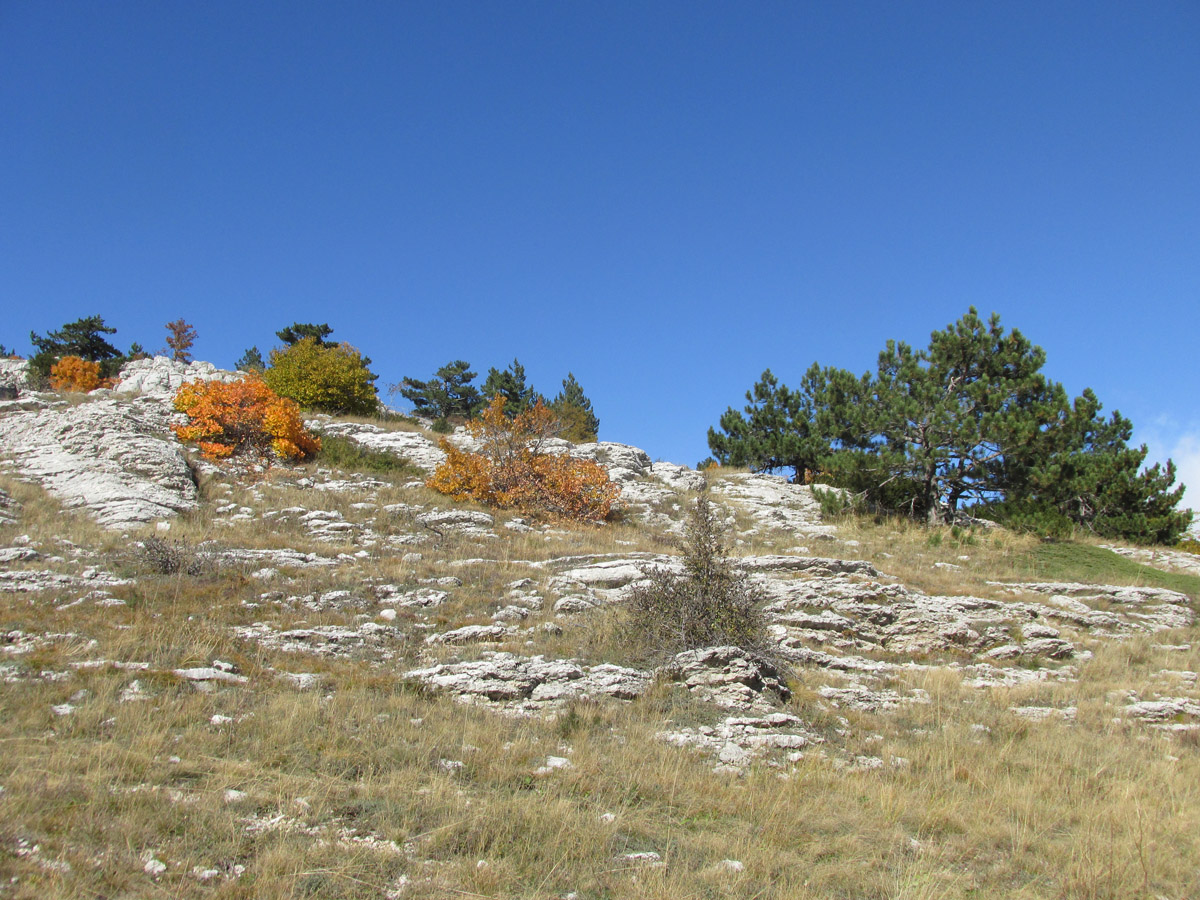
368	787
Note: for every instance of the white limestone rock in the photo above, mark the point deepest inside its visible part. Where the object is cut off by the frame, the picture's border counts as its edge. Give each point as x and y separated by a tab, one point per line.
161	377
415	447
458	521
624	463
680	478
14	373
1161	558
530	684
470	634
738	740
105	457
729	676
381	641
773	502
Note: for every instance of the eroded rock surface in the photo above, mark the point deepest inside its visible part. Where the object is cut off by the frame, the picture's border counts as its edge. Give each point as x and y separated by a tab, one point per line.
14	372
161	377
109	458
10	510
530	684
729	677
774	503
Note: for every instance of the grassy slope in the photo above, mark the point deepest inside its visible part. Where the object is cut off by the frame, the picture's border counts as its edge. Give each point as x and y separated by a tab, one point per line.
1074	561
983	805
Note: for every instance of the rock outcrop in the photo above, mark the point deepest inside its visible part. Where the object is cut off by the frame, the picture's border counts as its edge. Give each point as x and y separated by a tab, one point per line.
530	684
14	373
111	459
161	377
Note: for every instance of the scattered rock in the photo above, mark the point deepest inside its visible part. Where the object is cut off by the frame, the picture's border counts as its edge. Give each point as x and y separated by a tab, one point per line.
738	741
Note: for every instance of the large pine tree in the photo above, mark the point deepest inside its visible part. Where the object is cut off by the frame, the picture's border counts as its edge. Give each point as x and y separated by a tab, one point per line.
970	421
83	338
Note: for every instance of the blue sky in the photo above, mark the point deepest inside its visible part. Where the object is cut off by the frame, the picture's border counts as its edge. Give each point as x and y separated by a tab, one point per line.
664	198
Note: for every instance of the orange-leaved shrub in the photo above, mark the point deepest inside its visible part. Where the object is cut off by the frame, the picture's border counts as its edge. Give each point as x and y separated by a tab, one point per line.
512	471
73	373
243	416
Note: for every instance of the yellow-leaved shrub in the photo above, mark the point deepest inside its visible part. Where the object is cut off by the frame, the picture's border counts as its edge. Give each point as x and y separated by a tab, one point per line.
332	379
75	374
511	471
240	417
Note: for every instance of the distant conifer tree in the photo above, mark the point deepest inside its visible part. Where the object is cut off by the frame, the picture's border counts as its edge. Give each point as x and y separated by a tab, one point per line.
574	409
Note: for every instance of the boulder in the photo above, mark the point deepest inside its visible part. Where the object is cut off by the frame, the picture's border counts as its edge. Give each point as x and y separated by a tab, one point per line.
681	478
458	521
624	463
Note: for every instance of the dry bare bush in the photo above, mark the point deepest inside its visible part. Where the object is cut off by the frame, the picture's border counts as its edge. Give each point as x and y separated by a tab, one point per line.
172	557
709	604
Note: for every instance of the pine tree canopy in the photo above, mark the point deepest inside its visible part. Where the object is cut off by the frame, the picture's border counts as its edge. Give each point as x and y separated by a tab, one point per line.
251	361
449	394
512	386
969	421
574	410
298	331
83	338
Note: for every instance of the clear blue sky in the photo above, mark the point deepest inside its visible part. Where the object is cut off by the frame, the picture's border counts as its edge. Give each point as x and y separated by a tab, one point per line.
664	198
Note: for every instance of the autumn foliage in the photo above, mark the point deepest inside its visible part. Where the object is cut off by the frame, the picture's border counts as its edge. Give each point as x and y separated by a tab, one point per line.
241	417
512	471
73	373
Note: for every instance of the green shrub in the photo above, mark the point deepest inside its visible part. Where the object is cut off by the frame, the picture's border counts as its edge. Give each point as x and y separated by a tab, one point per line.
331	379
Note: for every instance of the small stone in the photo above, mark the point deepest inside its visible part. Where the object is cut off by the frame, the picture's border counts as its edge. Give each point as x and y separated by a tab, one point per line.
153	867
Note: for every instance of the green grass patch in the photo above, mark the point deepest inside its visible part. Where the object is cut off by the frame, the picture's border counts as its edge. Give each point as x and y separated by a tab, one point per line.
347	455
1070	561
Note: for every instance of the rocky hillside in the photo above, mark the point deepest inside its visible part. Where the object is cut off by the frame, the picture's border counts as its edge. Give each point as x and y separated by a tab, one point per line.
219	680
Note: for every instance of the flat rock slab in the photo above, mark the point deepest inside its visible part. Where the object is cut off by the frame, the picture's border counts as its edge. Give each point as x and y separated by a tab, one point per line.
381	641
530	684
108	458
